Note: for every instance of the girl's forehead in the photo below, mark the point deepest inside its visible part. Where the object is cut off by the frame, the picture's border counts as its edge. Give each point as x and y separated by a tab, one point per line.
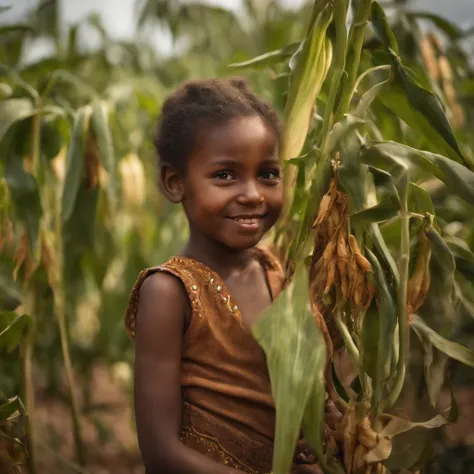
240	134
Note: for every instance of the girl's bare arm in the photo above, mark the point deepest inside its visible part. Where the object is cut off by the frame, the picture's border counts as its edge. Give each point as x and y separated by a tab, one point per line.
162	308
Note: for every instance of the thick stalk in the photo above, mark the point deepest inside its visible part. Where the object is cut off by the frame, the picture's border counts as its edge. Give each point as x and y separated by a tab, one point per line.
356	40
60	312
403	326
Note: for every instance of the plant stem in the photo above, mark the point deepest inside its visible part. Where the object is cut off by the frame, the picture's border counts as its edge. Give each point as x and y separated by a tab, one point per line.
356	40
60	312
403	326
346	335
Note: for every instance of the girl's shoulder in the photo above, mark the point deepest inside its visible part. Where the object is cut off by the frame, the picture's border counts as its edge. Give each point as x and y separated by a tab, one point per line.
164	282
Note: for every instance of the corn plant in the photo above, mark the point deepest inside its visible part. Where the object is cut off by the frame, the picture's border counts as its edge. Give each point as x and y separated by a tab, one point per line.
364	248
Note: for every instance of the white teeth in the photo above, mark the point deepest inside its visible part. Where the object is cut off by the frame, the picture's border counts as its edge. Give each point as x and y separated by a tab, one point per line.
247	220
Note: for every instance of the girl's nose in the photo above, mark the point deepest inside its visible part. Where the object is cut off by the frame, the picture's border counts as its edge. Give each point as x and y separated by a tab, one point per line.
250	194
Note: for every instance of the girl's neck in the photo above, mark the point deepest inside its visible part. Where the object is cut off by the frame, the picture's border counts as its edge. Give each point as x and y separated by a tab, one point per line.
218	257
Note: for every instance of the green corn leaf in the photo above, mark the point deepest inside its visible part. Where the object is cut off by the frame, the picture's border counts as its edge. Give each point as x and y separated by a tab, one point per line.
101	129
268	59
417	106
395	158
12	327
434	368
367	99
451	349
382	28
313	418
341	129
379	327
428	104
352	175
295	353
75	161
442	267
13	110
419	200
310	65
387	209
463	255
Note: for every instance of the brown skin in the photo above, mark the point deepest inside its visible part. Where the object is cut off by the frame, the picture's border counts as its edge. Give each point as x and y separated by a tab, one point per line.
233	172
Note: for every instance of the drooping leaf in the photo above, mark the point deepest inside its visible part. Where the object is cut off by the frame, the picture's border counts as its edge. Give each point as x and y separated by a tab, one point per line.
427	110
434	369
13	110
398	425
417	106
381	26
267	59
463	255
383	211
451	349
395	158
295	353
419	200
75	161
368	97
12	327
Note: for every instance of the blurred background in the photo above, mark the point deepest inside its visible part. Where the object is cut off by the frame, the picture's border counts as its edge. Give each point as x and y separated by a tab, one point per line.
126	56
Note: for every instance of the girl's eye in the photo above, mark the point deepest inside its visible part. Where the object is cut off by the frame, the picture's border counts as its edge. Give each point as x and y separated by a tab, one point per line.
224	175
270	175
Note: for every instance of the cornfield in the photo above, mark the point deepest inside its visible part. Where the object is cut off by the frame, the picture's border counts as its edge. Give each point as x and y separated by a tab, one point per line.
377	233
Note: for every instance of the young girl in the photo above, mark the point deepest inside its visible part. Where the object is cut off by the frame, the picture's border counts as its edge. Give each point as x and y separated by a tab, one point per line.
203	401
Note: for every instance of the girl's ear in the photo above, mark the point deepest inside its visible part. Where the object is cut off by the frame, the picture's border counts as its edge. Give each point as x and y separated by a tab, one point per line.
171	184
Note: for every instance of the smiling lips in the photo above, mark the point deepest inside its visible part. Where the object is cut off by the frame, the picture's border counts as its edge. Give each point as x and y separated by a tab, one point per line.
249	222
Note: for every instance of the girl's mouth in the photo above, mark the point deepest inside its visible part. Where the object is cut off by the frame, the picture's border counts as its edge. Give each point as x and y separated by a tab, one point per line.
251	222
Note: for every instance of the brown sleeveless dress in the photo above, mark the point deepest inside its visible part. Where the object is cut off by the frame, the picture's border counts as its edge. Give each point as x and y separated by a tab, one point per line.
228	411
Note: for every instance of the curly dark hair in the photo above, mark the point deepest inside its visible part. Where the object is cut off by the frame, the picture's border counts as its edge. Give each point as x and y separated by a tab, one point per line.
197	104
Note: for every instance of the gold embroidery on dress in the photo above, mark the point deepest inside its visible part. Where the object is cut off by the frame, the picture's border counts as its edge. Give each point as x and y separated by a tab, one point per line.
213	446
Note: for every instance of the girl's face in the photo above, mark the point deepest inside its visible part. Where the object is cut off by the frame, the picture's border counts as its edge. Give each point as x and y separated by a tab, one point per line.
232	187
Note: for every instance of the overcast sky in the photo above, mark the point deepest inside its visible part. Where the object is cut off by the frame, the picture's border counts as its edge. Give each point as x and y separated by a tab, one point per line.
118	15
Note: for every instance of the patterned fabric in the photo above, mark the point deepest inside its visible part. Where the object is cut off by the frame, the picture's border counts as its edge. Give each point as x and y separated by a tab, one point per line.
228	410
